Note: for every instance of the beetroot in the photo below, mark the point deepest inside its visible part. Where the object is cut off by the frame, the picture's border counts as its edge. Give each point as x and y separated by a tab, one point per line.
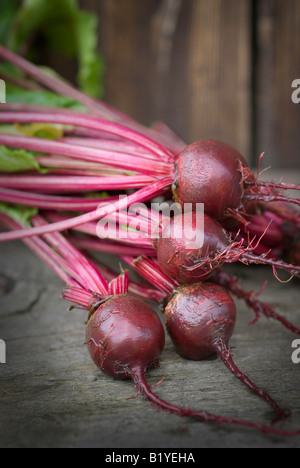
208	172
189	265
216	174
201	319
123	335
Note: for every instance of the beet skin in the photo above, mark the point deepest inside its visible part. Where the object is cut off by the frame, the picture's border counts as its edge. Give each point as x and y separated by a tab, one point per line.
176	257
215	161
124	334
200	318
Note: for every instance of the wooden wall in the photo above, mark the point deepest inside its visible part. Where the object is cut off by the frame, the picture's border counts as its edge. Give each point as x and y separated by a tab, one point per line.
209	68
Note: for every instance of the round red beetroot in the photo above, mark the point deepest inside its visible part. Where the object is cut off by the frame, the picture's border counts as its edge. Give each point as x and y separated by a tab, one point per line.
185	263
124	334
175	255
200	319
209	173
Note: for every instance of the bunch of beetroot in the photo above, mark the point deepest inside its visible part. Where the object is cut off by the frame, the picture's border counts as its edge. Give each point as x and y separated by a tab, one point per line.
76	167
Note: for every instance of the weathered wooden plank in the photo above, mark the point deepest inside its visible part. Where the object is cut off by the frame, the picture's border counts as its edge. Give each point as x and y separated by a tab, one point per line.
184	62
218	72
278	65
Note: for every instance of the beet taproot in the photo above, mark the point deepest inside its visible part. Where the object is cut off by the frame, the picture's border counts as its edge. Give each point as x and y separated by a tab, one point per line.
201	319
180	260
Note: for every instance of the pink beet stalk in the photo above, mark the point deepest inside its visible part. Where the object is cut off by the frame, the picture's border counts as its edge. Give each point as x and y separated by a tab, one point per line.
43	251
96	107
139	196
82	167
49	202
80	120
141	291
56	84
126	161
97	245
56	184
118	231
84	268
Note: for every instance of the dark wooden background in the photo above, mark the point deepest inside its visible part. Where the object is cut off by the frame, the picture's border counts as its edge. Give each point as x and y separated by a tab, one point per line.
209	68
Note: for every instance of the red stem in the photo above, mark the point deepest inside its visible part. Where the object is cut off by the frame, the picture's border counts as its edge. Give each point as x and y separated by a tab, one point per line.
225	355
122	160
48	202
80	120
138	376
101	143
44	252
21	82
231	283
248	257
270	198
78	296
98	108
277	185
97	245
150	271
92	278
136	289
57	84
82	167
69	184
139	196
114	232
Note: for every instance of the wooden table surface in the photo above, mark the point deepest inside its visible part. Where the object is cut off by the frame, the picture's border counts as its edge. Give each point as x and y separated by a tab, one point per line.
52	395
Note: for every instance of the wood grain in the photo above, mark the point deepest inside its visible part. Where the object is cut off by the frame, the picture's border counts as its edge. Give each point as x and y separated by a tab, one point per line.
278	51
183	63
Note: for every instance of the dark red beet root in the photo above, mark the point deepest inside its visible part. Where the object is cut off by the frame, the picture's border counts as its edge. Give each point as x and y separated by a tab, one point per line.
208	172
187	265
173	252
124	334
216	174
201	319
